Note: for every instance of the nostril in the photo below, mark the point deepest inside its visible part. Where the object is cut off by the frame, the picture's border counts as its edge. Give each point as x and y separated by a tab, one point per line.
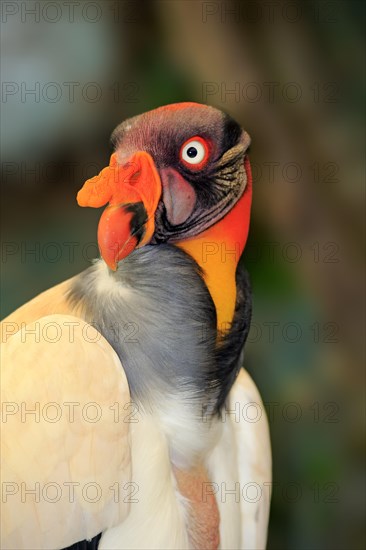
134	177
131	172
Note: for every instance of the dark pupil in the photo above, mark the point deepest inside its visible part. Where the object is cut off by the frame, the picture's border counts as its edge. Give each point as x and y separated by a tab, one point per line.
192	152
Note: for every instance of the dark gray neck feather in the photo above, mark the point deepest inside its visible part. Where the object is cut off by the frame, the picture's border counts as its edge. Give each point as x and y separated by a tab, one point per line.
158	315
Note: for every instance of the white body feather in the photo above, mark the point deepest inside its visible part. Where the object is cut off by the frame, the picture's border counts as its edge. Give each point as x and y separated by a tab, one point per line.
147	510
239	467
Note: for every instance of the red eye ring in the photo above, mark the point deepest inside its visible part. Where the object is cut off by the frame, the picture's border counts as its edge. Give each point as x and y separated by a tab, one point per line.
200	159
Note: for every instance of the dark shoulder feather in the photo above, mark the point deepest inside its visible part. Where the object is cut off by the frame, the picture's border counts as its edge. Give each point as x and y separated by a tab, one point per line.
91	544
230	351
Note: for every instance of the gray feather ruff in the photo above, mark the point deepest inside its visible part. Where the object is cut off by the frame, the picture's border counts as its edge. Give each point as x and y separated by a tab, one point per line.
158	315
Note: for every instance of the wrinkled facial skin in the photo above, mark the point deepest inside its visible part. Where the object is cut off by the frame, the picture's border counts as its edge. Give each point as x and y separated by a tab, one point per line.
206	194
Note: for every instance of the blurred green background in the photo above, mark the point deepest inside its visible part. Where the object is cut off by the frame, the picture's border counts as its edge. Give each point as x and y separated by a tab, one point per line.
292	73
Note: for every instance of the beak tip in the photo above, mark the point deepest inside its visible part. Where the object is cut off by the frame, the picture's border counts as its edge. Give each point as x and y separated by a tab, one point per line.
112	264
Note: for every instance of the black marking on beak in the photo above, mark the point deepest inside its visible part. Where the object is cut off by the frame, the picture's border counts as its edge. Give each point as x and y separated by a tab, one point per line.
138	219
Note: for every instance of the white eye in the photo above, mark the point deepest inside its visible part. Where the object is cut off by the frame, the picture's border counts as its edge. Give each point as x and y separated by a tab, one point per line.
194	152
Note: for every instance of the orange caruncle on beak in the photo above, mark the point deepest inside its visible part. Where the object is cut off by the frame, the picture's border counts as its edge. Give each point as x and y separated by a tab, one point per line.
133	191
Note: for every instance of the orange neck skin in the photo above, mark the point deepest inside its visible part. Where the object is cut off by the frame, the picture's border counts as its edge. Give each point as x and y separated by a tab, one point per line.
217	251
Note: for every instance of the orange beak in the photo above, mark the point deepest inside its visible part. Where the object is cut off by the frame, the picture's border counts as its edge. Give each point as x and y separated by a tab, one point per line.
133	192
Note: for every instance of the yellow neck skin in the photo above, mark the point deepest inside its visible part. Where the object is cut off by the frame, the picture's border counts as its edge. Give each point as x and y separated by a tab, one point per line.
218	259
217	251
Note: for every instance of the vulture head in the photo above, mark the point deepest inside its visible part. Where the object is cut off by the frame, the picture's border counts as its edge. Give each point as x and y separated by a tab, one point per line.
176	171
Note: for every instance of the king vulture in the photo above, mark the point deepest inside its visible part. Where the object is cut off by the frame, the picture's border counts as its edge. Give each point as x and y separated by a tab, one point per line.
128	421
